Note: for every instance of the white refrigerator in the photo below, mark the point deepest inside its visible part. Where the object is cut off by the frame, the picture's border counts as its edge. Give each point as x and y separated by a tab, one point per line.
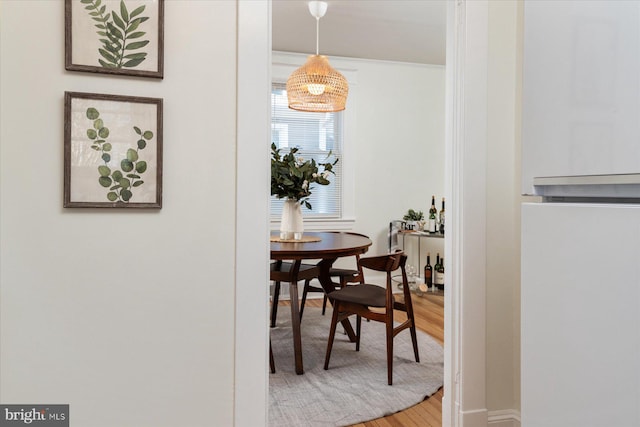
580	284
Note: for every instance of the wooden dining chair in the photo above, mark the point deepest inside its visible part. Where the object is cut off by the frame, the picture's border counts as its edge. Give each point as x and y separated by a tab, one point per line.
283	272
345	277
375	303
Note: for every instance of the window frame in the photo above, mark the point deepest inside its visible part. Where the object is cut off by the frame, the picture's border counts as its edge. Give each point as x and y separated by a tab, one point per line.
283	64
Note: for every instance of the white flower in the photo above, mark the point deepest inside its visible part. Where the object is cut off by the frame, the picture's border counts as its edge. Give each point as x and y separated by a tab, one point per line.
325	174
314	175
305	184
300	160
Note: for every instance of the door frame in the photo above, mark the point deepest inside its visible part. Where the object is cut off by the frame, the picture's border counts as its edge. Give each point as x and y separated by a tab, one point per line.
464	400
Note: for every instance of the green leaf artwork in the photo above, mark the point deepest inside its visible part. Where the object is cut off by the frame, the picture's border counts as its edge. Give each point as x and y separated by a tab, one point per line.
119	182
118	34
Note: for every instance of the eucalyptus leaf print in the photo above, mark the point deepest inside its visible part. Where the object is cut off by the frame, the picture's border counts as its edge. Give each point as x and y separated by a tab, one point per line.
118	182
121	34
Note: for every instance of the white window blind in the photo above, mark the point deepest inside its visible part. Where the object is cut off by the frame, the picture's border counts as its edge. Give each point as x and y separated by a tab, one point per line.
315	134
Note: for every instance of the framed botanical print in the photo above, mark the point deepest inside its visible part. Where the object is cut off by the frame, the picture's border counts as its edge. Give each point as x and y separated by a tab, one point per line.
112	151
123	37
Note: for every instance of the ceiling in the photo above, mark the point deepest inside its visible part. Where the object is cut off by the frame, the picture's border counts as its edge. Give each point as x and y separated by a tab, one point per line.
392	30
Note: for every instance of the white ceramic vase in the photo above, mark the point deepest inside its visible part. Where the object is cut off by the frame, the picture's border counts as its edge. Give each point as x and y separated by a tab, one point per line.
291	226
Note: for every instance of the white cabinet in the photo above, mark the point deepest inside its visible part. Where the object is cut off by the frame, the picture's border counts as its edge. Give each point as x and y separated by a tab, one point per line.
580	315
581	91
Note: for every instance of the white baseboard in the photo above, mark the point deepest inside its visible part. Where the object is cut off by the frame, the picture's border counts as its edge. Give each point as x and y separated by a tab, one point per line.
482	417
473	418
504	418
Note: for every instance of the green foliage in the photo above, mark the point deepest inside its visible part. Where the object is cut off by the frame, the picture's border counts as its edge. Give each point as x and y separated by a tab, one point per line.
292	176
412	215
118	35
115	180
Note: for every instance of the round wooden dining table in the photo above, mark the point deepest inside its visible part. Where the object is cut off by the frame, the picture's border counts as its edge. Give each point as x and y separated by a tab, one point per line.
323	246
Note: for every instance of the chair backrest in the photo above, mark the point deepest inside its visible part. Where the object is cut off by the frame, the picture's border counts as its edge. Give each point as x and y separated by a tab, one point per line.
388	262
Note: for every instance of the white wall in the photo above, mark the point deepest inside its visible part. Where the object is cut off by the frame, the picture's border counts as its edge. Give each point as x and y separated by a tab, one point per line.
124	315
400	145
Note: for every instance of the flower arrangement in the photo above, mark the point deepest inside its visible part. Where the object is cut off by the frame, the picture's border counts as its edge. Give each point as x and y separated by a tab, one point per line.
292	176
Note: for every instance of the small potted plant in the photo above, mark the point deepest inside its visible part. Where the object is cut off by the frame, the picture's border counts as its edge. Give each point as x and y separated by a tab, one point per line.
413	219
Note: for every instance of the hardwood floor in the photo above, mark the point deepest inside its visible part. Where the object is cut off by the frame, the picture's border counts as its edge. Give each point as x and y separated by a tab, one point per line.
429	316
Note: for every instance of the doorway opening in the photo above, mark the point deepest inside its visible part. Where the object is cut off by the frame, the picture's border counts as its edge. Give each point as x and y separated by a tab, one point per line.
252	336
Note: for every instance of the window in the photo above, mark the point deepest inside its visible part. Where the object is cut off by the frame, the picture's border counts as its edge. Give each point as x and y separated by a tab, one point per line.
315	134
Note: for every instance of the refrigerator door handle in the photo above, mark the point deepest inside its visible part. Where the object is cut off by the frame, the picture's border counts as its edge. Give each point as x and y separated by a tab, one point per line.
609	188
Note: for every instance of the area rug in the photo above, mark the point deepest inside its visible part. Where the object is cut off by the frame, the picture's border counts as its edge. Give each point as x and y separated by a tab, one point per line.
355	388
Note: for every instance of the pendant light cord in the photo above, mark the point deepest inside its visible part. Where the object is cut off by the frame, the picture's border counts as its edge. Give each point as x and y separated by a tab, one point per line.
317	35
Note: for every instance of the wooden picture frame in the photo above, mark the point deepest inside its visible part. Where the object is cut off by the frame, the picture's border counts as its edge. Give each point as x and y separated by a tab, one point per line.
122	37
112	151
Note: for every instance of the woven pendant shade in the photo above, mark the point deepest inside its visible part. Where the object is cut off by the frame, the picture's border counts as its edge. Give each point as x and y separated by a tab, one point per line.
317	87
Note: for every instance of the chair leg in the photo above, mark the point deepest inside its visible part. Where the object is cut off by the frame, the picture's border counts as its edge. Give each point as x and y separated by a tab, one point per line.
358	329
332	333
304	296
389	325
324	304
412	328
414	339
272	364
274	304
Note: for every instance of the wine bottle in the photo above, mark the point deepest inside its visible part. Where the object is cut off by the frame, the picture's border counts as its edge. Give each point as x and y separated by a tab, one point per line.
432	216
439	275
441	218
428	271
436	266
432	223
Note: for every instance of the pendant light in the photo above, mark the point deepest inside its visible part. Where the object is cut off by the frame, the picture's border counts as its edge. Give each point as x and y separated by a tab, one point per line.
316	86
